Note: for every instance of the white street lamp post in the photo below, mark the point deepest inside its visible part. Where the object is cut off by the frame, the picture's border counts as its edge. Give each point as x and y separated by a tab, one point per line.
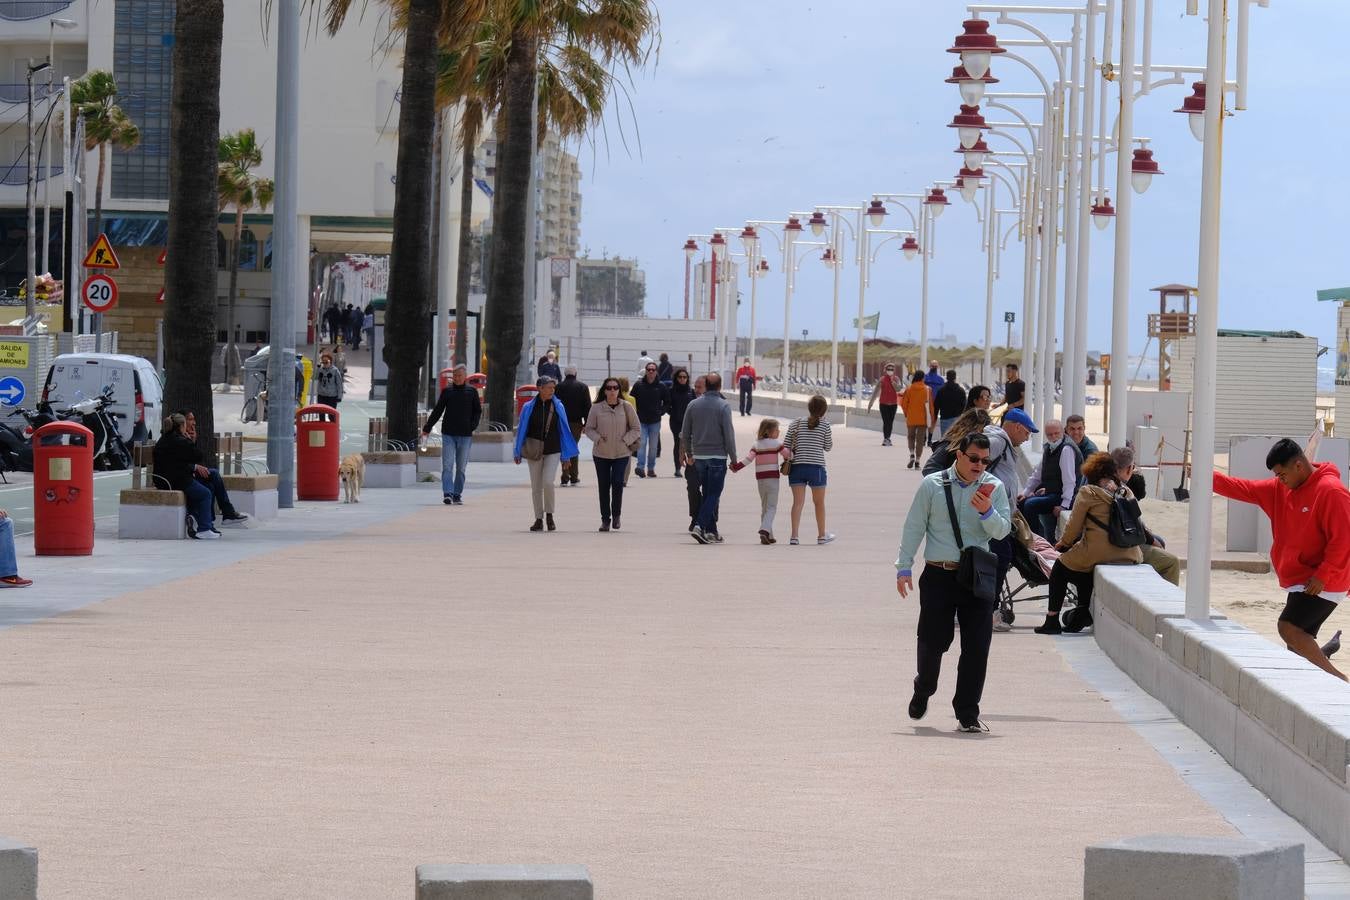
1120	294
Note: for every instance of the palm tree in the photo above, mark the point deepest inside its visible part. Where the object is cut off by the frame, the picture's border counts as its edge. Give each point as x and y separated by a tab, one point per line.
562	55
425	24
238	154
94	98
190	276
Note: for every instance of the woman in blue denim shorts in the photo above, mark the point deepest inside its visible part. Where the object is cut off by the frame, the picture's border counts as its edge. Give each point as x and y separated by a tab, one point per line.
809	440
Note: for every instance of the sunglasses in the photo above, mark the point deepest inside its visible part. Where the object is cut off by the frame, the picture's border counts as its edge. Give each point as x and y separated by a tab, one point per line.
611	387
976	460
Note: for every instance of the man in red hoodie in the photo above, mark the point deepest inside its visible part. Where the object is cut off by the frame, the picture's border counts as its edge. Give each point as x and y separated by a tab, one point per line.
1309	512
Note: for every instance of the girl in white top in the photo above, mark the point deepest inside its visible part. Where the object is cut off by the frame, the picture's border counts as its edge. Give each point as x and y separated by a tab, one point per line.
809	440
766	454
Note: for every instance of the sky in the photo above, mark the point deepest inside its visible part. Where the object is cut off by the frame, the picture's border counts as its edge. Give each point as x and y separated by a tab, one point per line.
754	108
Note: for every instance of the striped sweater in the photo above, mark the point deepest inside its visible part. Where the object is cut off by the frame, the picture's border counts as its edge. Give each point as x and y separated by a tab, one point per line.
765	455
809	445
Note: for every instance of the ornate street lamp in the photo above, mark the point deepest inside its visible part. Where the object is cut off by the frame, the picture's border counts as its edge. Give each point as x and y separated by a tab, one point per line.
910	247
936	201
972	89
817	223
1143	168
968	124
1194	106
876	213
1103	213
976	46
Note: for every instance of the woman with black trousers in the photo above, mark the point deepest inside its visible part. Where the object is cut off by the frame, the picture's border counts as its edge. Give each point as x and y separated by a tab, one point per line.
613	427
681	395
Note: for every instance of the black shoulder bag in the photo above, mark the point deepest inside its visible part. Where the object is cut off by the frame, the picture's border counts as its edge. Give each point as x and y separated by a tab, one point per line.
977	571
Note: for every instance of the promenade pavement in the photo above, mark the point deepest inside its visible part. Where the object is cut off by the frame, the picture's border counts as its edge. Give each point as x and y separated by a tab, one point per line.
312	707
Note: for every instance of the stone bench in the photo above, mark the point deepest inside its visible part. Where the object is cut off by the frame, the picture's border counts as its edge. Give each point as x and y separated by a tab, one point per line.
484	882
1181	867
1275	717
254	495
19	871
492	446
389	469
429	459
148	514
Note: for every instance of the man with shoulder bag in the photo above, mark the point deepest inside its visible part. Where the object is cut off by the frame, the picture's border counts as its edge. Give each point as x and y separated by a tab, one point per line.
955	514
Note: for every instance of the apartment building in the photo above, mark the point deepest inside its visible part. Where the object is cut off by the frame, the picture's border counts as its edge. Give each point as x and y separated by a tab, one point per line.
557	207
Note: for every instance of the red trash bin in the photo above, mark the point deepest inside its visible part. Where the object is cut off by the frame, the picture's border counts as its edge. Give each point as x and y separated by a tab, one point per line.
318	446
63	490
524	394
443	380
478	381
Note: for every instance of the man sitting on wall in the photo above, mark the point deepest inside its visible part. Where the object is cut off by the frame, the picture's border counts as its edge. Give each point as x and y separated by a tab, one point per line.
211	477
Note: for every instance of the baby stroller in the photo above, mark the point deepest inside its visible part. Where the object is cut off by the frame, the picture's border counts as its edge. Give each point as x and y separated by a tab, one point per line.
1032	568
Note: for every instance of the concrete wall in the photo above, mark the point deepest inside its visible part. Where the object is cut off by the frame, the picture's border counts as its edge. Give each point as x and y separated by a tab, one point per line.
1276	718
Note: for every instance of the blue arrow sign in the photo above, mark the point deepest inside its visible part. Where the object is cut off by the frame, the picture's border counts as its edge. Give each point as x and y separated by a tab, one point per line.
12	391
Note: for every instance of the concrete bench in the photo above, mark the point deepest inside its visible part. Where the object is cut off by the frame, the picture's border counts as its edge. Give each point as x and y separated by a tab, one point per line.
148	514
482	882
19	870
1276	718
1180	867
492	446
254	495
389	469
429	459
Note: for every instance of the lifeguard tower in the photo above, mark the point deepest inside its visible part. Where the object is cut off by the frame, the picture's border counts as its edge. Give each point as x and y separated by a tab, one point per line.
1168	326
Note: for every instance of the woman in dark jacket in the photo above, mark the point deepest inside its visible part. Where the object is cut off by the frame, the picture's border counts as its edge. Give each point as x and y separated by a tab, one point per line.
681	395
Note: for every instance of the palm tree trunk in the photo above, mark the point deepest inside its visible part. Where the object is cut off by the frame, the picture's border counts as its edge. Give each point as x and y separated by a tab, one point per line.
512	241
190	276
465	249
234	292
98	188
407	317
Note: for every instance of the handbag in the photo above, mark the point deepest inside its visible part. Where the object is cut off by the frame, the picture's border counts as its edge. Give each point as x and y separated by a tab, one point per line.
977	570
786	467
533	448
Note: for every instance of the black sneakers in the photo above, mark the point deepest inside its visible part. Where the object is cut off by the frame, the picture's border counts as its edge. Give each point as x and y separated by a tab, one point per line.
918	706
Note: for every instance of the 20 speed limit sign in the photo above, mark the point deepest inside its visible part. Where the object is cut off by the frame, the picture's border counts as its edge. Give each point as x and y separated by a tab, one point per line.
99	292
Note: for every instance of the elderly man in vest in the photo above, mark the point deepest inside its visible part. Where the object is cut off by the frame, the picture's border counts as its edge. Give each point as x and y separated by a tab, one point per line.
1050	489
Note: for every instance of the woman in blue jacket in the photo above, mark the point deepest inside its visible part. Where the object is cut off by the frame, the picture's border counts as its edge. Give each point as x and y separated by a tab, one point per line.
544	439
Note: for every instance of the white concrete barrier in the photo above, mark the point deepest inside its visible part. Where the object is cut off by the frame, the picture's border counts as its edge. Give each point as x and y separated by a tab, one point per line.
1180	867
1276	718
253	495
492	446
390	469
18	871
151	515
479	882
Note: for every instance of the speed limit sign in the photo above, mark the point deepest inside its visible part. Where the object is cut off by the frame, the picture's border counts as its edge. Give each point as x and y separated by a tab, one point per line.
99	292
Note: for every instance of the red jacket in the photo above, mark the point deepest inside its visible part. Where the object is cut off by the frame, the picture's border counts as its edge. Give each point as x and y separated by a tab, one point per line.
1310	525
747	372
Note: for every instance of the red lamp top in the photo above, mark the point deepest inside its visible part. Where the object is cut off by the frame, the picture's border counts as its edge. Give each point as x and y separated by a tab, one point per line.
876	208
910	244
937	197
1143	163
968	117
970	173
1194	104
817	219
793	224
959	74
975	36
690	246
749	234
978	147
1104	208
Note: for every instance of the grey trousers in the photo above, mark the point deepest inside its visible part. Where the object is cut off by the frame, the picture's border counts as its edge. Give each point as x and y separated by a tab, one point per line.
768	502
543	473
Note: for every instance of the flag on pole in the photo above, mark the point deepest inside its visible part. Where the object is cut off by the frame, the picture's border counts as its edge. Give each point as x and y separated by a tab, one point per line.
870	323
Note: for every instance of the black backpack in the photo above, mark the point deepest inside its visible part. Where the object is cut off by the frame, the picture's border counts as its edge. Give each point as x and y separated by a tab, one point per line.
1126	527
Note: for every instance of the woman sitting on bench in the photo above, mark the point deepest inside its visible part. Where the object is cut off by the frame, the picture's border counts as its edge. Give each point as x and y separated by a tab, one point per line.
177	460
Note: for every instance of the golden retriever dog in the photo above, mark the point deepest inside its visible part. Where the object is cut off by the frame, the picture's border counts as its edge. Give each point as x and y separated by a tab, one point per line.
352	471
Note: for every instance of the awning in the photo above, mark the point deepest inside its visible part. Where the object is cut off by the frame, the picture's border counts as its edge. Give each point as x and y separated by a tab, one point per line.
351	241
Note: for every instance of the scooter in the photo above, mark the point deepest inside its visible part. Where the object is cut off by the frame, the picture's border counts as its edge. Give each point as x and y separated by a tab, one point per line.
110	451
16	450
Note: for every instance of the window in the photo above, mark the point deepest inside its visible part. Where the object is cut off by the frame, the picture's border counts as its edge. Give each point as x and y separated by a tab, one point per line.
143	64
248	251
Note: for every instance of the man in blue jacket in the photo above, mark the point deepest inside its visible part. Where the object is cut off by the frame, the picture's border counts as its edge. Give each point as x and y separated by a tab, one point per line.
544	420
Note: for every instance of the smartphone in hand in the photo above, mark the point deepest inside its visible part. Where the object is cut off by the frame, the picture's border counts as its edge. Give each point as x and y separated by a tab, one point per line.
984	491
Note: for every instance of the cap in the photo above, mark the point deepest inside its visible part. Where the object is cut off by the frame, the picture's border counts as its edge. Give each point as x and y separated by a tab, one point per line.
1021	418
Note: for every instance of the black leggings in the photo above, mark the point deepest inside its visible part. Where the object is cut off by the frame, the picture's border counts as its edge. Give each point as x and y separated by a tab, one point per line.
887	419
609	475
1061	576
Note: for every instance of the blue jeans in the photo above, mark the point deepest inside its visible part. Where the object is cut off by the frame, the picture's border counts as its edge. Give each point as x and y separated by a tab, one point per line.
201	505
219	495
9	562
944	424
454	463
1037	510
712	474
651	438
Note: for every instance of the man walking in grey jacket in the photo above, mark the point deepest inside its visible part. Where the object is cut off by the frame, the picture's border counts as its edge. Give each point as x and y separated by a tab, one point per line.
709	443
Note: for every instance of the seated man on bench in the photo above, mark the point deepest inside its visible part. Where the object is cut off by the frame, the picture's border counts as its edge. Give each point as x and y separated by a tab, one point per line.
211	477
177	461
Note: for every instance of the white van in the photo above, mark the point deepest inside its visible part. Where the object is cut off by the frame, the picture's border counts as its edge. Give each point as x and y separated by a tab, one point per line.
138	396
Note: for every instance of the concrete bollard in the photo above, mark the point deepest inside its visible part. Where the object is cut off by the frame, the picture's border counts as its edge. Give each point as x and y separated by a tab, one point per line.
485	882
1182	867
18	871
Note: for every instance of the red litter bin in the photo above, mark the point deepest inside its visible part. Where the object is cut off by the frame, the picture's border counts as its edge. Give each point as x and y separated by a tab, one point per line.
63	490
524	394
478	381
318	444
443	380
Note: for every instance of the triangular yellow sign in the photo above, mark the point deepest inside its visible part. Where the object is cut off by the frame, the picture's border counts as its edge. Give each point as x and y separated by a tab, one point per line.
101	255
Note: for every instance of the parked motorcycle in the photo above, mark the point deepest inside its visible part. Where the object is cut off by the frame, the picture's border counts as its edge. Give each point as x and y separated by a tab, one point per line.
16	448
110	451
